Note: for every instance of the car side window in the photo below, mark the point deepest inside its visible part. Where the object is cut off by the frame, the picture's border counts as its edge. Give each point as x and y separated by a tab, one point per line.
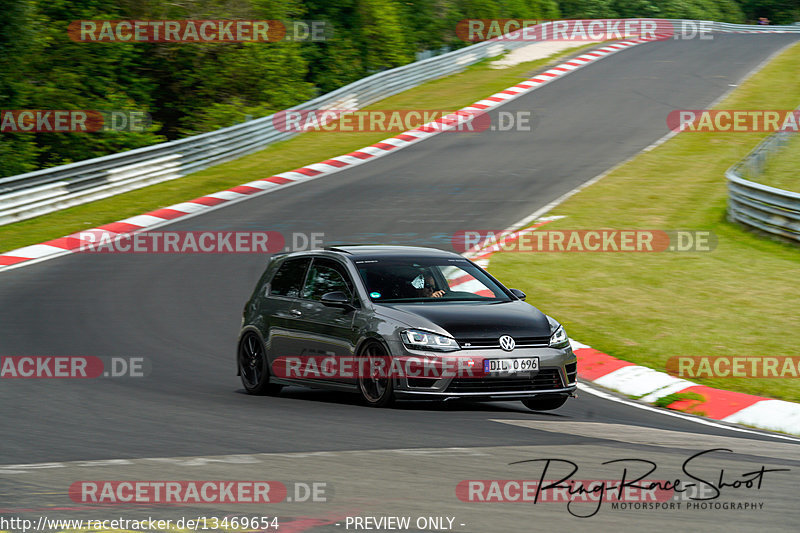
326	276
288	280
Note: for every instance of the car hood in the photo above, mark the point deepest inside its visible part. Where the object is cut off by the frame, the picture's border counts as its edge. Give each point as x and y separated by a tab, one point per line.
473	320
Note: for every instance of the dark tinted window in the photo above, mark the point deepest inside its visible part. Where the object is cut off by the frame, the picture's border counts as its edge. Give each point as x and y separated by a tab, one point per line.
289	278
326	276
427	279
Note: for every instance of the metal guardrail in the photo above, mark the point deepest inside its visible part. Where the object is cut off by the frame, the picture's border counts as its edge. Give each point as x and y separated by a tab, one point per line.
726	27
758	206
36	193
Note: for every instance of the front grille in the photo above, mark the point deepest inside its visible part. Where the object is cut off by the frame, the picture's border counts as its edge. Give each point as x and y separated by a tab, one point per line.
572	372
471	343
546	379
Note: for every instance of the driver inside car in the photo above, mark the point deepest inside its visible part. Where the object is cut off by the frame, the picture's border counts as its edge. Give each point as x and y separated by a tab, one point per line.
426	284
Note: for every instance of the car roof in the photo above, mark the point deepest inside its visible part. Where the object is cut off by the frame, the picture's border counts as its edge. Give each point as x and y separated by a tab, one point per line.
370	251
358	252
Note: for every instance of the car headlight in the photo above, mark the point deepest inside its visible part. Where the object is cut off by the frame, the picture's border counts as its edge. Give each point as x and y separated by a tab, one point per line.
425	340
559	339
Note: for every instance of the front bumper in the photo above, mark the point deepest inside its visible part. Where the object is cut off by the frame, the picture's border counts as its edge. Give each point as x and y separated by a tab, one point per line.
557	375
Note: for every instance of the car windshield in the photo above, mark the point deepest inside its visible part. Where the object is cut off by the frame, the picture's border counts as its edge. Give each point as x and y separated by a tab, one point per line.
439	279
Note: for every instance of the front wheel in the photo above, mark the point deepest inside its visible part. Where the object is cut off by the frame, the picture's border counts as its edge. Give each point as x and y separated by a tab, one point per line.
254	367
374	383
544	404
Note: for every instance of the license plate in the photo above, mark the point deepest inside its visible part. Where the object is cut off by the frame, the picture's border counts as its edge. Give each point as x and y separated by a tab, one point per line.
511	366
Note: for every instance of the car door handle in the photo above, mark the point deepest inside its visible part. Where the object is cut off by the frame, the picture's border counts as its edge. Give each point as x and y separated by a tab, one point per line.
296	312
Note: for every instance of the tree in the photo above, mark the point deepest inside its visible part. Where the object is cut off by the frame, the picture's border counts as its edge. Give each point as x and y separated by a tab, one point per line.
17	46
587	9
777	11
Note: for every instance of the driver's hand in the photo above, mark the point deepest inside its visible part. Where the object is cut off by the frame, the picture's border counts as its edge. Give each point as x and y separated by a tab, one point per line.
437	294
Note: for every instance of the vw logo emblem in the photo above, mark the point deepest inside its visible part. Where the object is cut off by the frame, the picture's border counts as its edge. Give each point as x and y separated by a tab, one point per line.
507	343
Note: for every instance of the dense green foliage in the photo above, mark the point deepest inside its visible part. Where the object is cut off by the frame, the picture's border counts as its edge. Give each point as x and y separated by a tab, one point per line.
719	10
193	88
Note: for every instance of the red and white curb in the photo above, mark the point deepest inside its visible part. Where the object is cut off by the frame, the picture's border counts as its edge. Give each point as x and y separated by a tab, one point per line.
648	385
72	243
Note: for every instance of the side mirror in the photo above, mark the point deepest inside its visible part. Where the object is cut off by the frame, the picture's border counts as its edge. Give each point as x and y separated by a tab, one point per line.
518	293
336	299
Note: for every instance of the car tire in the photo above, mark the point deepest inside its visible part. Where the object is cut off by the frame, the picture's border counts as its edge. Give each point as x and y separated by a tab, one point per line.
545	404
253	366
375	391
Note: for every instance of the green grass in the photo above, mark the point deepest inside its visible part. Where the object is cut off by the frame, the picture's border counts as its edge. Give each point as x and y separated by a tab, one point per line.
740	299
449	93
666	401
783	168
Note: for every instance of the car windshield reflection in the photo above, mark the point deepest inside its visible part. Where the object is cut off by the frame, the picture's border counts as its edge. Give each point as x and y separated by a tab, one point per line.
427	280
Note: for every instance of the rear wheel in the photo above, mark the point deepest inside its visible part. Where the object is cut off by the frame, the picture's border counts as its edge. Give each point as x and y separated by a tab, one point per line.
374	383
253	366
544	404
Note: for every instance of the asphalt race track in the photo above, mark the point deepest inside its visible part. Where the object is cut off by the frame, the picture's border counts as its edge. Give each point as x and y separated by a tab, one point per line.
182	313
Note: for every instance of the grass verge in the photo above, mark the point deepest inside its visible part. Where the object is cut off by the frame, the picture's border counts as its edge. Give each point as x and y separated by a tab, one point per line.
739	300
783	168
450	93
